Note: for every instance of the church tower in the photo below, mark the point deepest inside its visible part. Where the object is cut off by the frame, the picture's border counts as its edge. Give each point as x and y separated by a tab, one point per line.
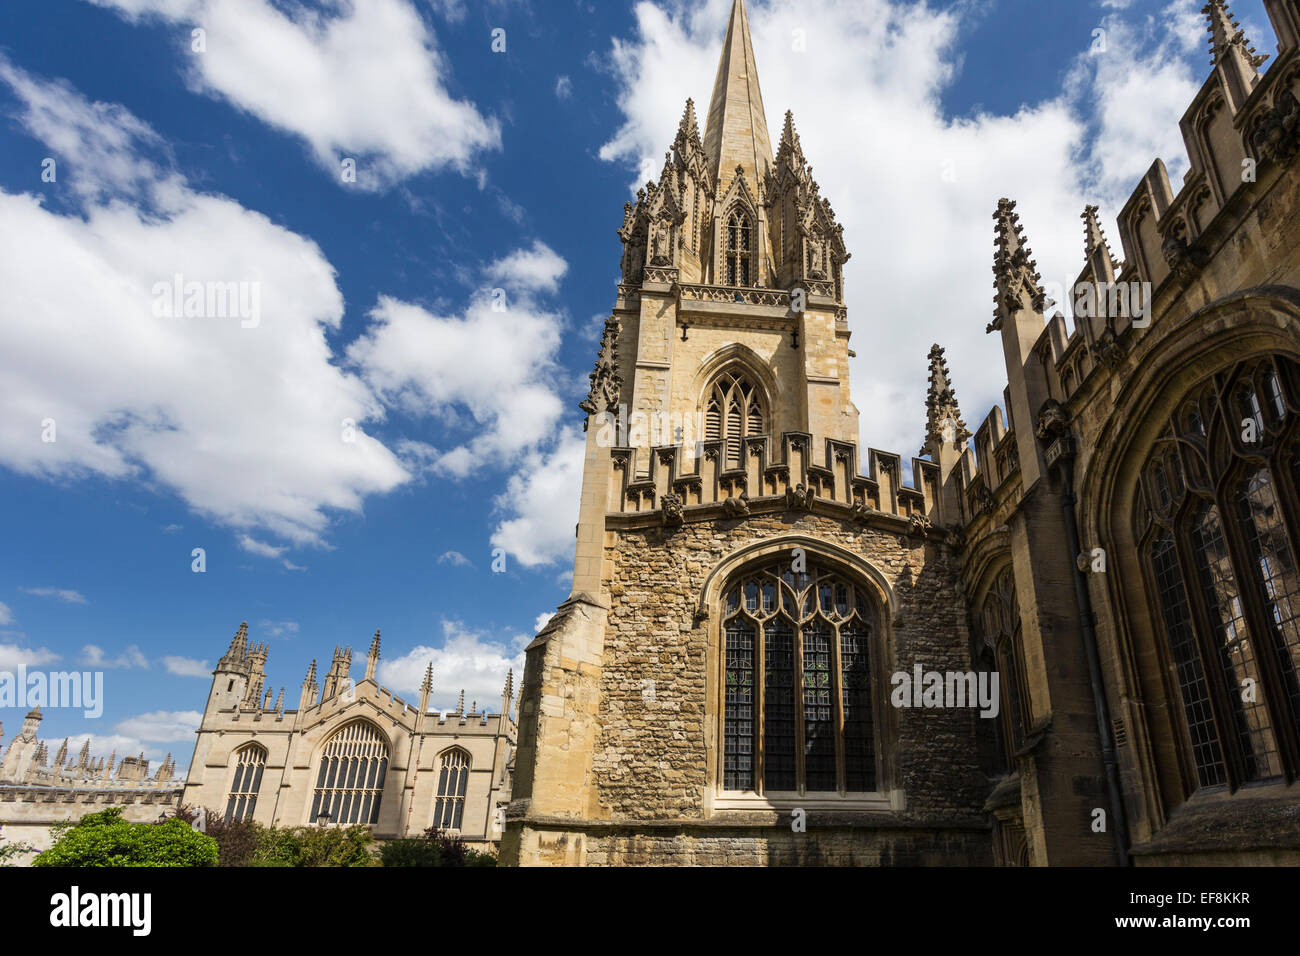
747	579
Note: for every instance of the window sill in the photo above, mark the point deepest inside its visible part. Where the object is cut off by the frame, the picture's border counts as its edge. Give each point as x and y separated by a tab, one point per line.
891	802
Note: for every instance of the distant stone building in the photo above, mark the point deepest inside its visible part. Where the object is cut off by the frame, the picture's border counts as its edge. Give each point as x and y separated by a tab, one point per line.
35	794
1121	552
350	753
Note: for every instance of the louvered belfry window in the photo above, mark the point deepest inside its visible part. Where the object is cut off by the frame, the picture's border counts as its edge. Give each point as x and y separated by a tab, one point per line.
740	249
250	761
350	782
1218	518
797	684
733	411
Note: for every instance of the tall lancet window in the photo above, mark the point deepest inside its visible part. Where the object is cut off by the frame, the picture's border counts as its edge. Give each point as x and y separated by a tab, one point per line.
734	410
740	249
797	682
350	782
1218	518
250	761
453	782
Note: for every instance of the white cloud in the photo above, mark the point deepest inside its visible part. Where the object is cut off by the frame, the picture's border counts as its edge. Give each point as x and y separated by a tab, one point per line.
866	99
260	548
537	269
468	659
487	373
278	628
455	559
563	87
186	667
93	655
66	595
13	657
185	402
540	504
362	79
161	726
542	620
6	615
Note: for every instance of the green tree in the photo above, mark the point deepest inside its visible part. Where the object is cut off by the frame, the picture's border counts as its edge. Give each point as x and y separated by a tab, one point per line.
105	839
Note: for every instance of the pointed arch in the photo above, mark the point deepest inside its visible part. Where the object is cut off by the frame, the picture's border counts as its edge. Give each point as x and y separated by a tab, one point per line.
453	784
352	767
249	762
736	399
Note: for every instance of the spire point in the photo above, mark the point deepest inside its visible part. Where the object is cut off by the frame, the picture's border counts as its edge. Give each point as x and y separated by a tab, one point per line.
736	132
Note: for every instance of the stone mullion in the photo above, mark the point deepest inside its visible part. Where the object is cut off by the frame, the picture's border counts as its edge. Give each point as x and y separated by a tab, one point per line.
760	702
837	701
1251	592
1212	665
798	708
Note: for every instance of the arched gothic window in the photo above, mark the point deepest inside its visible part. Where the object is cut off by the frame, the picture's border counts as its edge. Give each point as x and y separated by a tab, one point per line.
350	782
1218	518
732	411
740	249
250	761
453	781
998	627
797	690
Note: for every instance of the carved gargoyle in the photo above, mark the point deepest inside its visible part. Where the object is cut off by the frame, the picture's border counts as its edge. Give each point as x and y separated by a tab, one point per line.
1052	422
919	525
799	497
673	509
737	507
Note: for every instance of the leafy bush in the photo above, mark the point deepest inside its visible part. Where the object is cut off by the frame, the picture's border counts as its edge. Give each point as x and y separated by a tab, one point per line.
237	840
105	839
315	846
433	849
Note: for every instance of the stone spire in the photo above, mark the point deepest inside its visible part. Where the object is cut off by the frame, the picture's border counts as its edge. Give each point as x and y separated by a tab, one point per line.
426	688
1092	234
1231	52
83	758
372	658
61	757
238	649
1015	273
460	702
688	130
309	688
279	702
736	133
790	149
943	422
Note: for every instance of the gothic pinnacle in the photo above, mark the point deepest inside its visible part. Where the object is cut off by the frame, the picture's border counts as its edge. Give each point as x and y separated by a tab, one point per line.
943	421
427	684
1226	33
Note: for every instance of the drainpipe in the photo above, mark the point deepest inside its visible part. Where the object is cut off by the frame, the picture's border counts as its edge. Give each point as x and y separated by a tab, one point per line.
1063	451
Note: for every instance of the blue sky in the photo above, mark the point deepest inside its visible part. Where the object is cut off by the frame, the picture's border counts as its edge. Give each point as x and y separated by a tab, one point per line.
476	170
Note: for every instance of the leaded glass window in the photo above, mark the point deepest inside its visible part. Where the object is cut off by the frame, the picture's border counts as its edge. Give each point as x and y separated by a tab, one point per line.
350	780
808	633
250	761
998	627
453	782
1218	531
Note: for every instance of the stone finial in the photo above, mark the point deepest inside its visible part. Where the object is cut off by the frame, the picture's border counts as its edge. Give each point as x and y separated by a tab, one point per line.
1093	237
372	657
606	382
460	702
943	421
1227	38
688	130
1015	273
427	683
509	692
